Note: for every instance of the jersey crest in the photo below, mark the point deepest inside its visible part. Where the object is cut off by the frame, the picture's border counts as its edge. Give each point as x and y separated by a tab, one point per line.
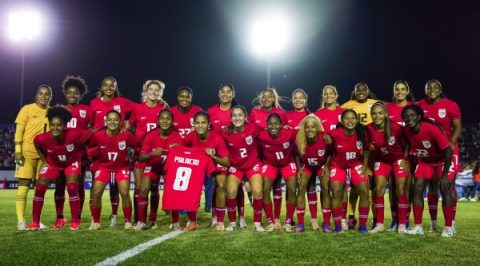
249	140
391	140
321	152
70	147
426	144
286	145
359	145
442	112
122	145
83	113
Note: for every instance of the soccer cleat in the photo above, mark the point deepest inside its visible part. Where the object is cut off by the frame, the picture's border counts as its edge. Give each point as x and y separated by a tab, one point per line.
434	227
314	224
192	226
213	222
43	227
175	227
363	229
242	222
140	226
393	226
152	225
59	223
231	227
300	228
113	221
278	225
220	227
75	226
270	228
344	225
34	226
402	229
417	230
377	229
288	227
448	232
339	229
258	228
352	223
326	228
128	226
21	226
94	226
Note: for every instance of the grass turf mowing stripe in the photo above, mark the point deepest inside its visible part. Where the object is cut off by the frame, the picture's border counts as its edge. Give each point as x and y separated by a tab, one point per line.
137	249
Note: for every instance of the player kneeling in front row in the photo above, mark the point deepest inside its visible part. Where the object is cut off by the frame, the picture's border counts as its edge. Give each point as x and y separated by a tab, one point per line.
60	151
108	149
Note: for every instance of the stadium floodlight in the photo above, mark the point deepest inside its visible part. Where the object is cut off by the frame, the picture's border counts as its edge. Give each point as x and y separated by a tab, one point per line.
24	26
269	37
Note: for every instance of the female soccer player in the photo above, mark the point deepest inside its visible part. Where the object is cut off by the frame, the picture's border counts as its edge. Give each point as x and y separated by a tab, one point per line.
349	155
74	88
144	119
220	116
184	111
277	149
215	147
240	141
30	122
388	143
60	151
299	100
329	114
108	98
313	150
361	101
434	154
446	113
268	102
108	149
153	154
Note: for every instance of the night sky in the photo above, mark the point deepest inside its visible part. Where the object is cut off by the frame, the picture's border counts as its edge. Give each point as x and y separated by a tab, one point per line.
201	44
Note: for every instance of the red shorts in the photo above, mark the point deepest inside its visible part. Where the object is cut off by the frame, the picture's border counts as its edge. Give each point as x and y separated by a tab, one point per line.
355	173
139	165
313	171
52	173
387	169
256	169
107	176
456	160
271	172
430	170
220	170
152	172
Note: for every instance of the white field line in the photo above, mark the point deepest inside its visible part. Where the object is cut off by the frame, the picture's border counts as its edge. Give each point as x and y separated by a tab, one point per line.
137	249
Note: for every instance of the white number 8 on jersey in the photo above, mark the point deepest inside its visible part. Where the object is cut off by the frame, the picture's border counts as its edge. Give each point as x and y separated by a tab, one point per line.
182	178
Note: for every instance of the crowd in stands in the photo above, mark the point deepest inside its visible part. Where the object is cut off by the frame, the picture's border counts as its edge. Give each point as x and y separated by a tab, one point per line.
7	132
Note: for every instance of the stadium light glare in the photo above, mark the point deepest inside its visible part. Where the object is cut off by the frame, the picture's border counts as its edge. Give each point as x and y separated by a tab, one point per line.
24	25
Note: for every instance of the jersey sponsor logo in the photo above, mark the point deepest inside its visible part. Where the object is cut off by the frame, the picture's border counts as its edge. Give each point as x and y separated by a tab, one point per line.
359	145
70	147
286	145
143	117
83	113
442	112
117	108
321	152
267	146
49	150
426	144
122	145
216	121
391	140
249	140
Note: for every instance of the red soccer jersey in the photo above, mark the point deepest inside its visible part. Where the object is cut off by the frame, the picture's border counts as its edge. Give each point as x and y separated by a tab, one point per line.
395	112
428	144
294	118
259	116
329	118
145	118
347	150
99	109
185	171
219	118
278	151
80	116
153	140
110	153
391	150
213	141
183	122
443	112
62	153
242	147
315	153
